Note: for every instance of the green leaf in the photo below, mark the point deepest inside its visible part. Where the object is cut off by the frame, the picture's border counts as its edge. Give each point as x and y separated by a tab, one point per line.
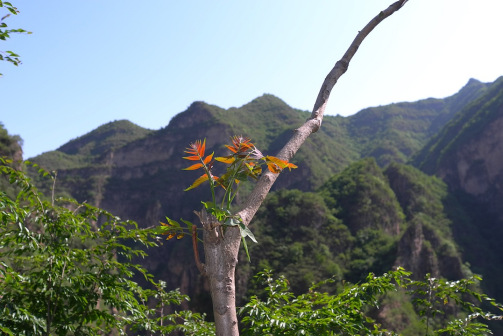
245	231
173	222
189	224
245	247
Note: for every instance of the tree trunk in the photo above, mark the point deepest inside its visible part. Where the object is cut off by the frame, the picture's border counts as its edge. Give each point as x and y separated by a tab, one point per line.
221	248
221	257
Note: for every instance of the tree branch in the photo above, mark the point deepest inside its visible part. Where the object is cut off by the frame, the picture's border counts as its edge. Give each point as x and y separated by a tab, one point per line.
257	196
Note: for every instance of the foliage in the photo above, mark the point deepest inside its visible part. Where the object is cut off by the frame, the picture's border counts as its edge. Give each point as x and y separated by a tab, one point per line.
350	311
8	55
67	268
9	144
361	197
434	296
303	253
363	220
244	161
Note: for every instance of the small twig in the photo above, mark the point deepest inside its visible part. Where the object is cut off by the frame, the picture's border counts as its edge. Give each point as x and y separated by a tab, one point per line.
199	265
53	187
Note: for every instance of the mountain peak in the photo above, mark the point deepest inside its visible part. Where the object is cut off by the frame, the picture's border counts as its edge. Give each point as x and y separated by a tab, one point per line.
107	136
267	100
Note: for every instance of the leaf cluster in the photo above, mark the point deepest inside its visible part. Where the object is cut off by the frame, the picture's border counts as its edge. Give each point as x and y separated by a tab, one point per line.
9	56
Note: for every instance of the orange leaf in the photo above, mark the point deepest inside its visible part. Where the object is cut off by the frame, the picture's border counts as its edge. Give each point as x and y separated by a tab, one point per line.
273	168
280	163
232	149
208	158
202	148
197	182
192	158
194	166
171	235
180	236
291	166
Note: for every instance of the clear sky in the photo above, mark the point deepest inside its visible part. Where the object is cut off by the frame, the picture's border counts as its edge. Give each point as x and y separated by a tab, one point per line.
90	62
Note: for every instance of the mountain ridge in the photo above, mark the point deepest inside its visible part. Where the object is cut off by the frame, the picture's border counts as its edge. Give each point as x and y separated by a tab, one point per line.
142	180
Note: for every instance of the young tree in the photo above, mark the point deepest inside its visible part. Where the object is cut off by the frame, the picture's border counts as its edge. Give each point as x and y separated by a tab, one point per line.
67	268
221	247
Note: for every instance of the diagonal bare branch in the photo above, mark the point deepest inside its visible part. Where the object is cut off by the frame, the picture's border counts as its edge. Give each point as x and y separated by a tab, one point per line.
253	202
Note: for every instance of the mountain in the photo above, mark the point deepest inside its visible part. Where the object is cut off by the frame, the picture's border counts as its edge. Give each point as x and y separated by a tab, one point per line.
392	133
352	206
119	151
468	155
467	152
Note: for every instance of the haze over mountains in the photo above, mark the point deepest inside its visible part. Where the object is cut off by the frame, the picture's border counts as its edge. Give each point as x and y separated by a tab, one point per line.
417	184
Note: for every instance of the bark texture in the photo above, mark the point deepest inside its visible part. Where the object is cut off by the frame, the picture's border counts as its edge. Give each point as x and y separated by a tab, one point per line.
221	248
221	257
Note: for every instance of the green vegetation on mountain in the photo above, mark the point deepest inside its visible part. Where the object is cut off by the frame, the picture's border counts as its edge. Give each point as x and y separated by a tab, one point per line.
10	148
363	219
357	207
10	145
85	150
387	133
465	125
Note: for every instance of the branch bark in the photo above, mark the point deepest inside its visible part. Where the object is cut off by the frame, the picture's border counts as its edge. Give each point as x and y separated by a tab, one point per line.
221	250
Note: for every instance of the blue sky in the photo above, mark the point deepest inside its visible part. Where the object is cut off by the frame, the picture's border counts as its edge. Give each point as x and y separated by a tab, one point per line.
89	62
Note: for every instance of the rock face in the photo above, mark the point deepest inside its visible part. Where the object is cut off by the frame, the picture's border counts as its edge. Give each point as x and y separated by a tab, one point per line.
477	167
468	155
427	245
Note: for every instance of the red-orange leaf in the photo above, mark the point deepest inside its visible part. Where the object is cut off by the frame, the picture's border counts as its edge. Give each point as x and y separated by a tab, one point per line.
208	158
194	166
197	182
171	235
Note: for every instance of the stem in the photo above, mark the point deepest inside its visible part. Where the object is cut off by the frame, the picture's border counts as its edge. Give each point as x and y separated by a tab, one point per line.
210	179
228	191
237	189
199	265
